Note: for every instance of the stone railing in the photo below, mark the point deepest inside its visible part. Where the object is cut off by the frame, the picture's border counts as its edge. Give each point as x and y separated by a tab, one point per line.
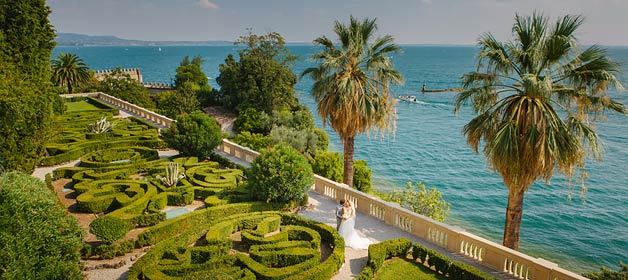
450	238
137	110
158	119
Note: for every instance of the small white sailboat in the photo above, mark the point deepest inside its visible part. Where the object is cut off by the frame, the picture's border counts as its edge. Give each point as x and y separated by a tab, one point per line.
159	49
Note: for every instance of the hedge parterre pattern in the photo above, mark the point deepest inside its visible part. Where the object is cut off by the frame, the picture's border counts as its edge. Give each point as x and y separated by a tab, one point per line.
123	182
74	140
274	245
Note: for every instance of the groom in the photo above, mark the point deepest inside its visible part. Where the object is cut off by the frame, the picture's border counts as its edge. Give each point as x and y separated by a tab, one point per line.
339	213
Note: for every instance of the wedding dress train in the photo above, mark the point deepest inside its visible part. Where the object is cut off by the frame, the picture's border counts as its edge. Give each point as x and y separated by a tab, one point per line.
352	239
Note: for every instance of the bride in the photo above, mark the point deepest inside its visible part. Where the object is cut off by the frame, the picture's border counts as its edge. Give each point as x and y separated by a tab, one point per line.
347	229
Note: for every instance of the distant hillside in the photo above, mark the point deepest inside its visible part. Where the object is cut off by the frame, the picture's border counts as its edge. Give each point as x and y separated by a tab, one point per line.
72	39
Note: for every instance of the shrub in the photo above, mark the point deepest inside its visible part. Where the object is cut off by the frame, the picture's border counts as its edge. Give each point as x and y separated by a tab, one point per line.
109	229
37	239
328	164
194	135
255	141
280	174
362	176
304	141
253	121
100	126
606	274
422	201
322	142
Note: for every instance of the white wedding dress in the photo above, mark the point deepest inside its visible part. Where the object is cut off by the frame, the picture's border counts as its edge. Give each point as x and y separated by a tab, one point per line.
352	239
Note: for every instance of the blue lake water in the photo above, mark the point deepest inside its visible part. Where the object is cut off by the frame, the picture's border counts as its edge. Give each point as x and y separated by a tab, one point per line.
428	146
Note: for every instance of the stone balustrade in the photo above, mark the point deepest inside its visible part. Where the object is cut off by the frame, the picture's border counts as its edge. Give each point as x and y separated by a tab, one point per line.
137	110
158	119
450	238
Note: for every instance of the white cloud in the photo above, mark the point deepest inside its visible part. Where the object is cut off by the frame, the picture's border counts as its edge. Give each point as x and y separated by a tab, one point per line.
205	4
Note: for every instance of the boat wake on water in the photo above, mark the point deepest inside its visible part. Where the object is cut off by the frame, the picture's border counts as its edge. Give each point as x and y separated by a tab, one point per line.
413	99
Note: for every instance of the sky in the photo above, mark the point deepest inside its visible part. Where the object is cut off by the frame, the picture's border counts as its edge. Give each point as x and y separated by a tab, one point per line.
408	21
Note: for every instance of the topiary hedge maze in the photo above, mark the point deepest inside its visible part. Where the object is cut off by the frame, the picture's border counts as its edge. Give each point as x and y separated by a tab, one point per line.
74	139
123	182
274	245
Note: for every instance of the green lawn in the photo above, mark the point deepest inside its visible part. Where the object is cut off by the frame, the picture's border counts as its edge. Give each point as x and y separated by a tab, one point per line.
399	269
80	106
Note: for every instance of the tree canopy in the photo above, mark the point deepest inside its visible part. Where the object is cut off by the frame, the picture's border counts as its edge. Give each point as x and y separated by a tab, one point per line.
69	70
26	95
536	98
352	82
262	78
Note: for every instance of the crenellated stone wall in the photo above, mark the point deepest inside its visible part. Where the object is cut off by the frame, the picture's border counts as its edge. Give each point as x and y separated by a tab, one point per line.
135	73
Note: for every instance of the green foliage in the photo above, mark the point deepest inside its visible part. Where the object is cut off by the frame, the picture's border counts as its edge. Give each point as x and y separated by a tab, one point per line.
421	201
190	72
304	141
37	239
362	176
26	95
174	103
280	174
607	274
255	141
26	122
109	228
121	85
194	135
69	70
58	105
403	269
110	251
26	37
322	142
328	164
262	78
252	120
401	247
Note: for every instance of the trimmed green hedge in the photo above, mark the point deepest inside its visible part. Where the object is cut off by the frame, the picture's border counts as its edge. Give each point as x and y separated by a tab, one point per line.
37	239
403	248
296	258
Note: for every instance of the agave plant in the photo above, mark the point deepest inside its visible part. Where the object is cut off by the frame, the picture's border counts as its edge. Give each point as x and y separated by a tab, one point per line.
173	175
100	126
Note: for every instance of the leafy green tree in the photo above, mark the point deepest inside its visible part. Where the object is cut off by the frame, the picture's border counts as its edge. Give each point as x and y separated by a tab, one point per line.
305	141
280	174
174	103
121	85
328	164
262	78
362	176
26	37
607	274
535	98
255	141
190	71
195	134
422	201
253	121
26	94
37	239
69	70
352	82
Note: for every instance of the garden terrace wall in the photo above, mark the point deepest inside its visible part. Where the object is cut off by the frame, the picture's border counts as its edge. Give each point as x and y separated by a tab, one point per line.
450	238
127	106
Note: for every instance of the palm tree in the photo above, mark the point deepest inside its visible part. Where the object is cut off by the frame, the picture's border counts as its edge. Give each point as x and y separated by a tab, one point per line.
351	84
69	70
536	98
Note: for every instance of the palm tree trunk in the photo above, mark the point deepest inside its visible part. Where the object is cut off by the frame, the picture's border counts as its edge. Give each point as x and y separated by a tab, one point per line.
348	160
514	212
69	88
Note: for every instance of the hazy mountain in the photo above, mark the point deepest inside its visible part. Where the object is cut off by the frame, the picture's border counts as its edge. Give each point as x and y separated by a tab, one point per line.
72	39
